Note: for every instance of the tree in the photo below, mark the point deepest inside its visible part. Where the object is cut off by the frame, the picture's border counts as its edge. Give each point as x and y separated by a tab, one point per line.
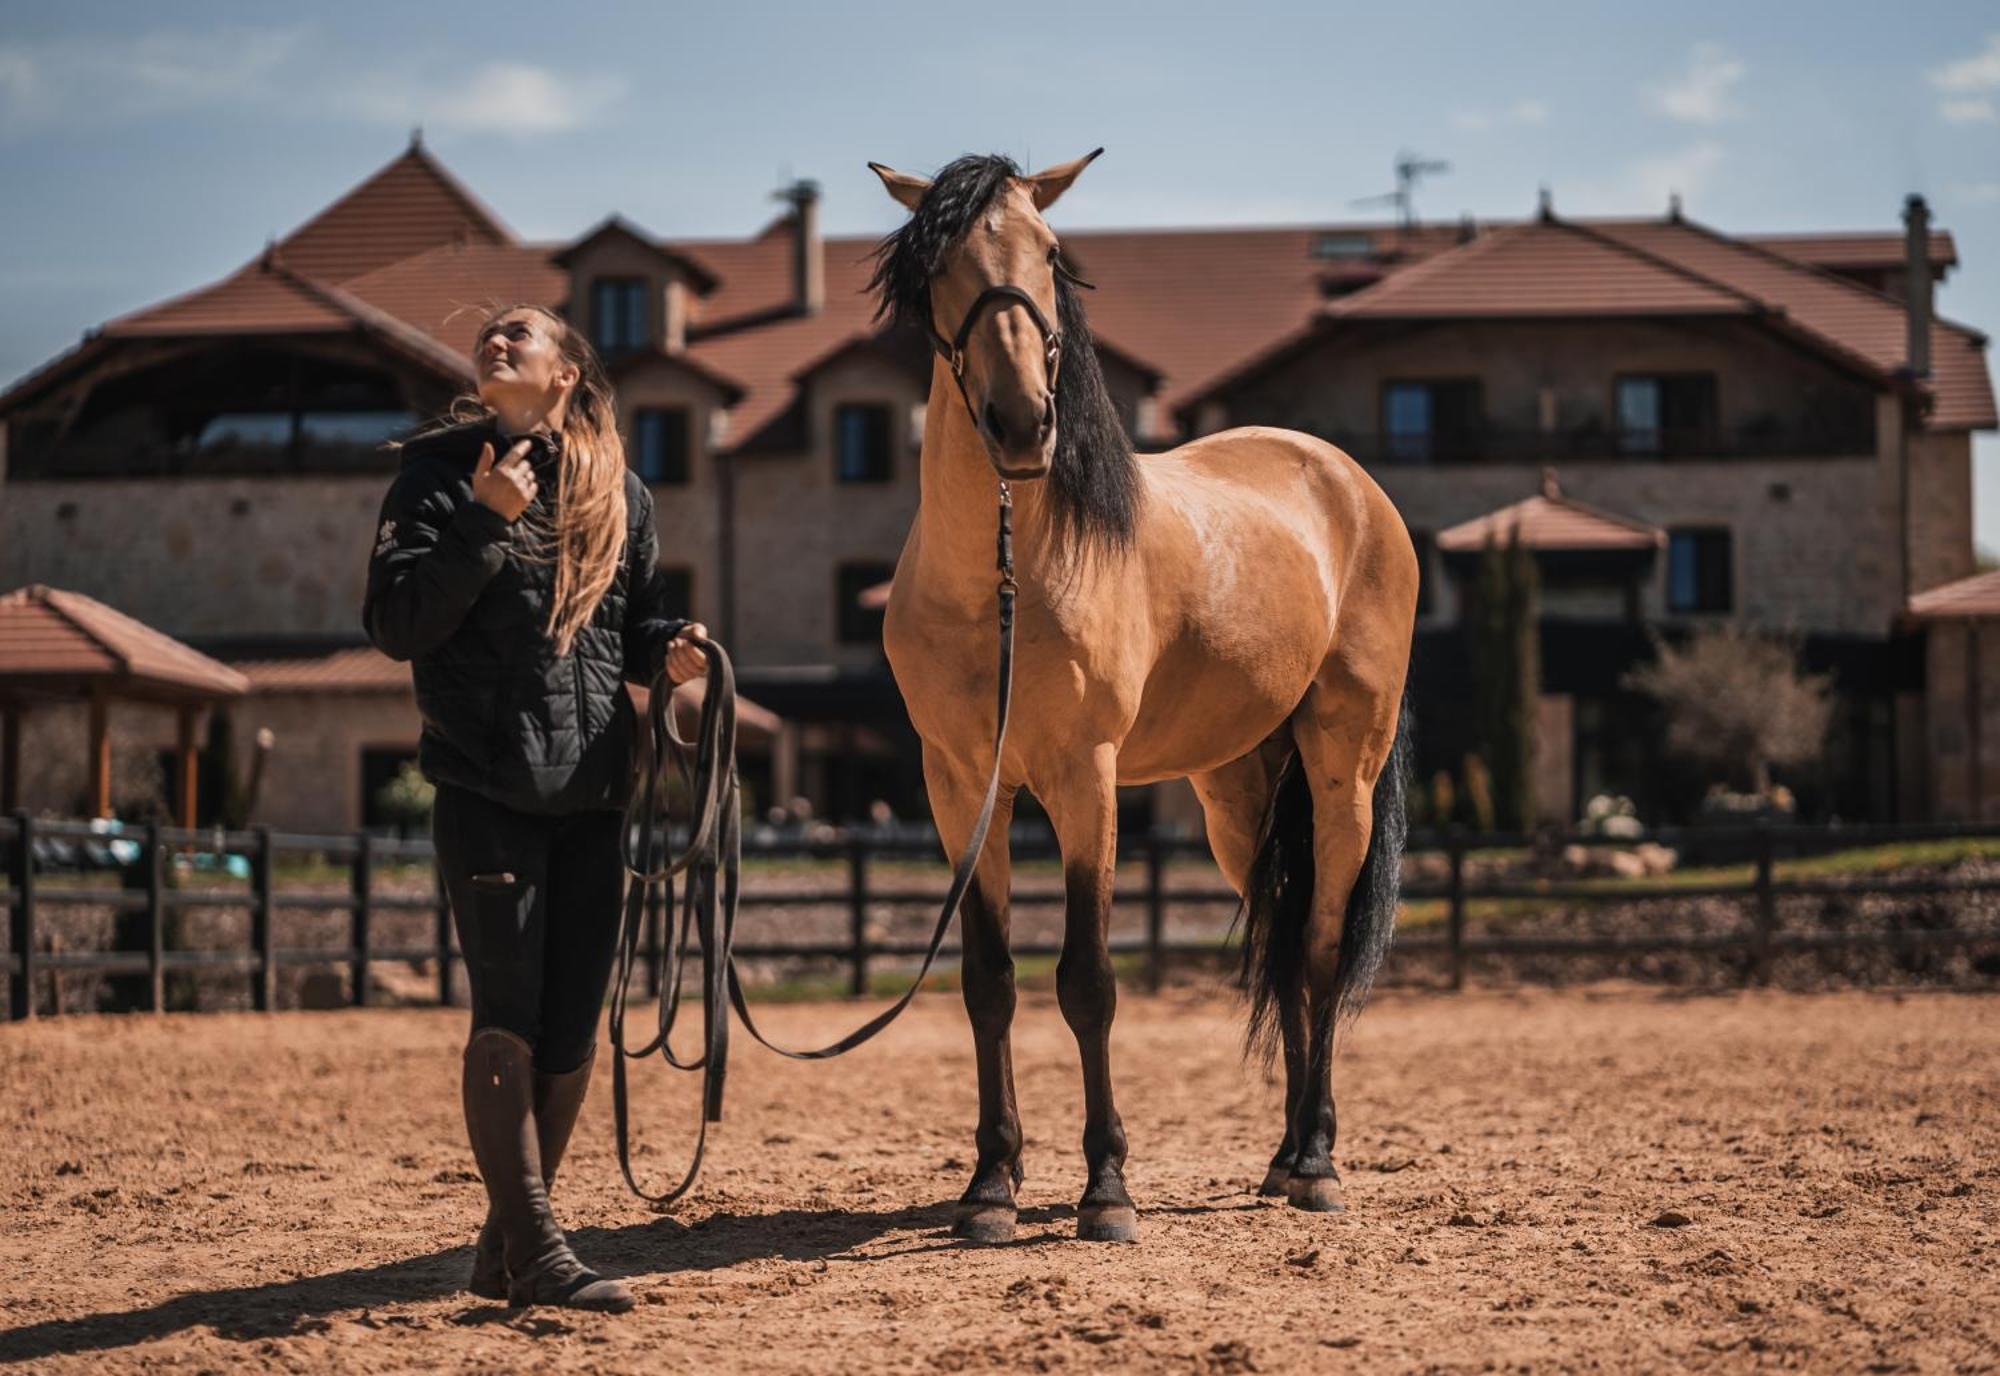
1507	676
1737	701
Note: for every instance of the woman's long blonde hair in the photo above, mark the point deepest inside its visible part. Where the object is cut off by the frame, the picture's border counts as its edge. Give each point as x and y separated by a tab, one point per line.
587	538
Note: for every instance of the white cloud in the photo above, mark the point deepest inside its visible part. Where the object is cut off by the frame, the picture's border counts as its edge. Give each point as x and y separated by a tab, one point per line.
1703	93
70	80
1969	89
1521	112
512	98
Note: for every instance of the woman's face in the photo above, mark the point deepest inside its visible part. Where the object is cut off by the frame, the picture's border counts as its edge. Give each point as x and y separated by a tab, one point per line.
520	364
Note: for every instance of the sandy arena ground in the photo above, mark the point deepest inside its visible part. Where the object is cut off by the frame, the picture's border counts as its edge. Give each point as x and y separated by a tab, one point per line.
1608	1179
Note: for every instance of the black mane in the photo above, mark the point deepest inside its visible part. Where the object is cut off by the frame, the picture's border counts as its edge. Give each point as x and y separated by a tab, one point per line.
1093	480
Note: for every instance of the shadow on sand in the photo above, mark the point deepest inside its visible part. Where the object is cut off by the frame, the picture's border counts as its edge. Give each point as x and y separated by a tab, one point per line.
655	1247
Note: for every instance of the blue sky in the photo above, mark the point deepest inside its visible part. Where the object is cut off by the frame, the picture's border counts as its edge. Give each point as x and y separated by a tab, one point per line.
146	149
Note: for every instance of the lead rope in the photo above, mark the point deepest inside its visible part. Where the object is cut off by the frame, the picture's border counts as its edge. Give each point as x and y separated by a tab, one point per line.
712	862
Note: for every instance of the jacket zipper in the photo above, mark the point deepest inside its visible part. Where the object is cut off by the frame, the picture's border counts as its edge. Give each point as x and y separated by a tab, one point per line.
582	703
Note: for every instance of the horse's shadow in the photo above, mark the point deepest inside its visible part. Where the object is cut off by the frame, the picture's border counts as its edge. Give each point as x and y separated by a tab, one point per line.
655	1247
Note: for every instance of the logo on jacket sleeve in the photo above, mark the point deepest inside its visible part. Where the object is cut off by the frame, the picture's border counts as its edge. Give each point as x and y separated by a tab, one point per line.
385	539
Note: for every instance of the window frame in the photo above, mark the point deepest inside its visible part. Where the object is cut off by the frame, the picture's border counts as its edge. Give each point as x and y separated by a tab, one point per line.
887	411
1437	446
641	322
670	477
1697	538
1668	441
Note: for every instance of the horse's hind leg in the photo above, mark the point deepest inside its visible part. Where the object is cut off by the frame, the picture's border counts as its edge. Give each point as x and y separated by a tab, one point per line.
986	1211
1082	805
1235	800
1345	729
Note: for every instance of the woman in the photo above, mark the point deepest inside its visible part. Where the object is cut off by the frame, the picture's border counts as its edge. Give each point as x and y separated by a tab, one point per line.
515	567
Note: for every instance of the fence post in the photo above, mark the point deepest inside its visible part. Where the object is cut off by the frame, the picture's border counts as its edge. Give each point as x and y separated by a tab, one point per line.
264	985
156	921
1156	912
21	923
1767	912
441	903
1455	920
362	881
857	914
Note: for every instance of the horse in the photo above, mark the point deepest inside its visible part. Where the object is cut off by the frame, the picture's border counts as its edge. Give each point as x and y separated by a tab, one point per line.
1237	611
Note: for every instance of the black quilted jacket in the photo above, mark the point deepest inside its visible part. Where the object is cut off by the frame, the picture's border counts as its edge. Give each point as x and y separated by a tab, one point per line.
449	589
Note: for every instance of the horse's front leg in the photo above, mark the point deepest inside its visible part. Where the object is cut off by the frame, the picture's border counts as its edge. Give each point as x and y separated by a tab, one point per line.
986	1211
1083	806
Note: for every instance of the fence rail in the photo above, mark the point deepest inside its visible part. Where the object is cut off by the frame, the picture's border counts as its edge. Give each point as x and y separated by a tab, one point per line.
145	890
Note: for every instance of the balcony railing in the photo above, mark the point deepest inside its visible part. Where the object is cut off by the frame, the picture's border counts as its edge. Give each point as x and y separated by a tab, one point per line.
1494	445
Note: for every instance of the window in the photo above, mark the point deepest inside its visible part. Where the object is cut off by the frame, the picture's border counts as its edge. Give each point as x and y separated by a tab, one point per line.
661	440
677	590
1348	246
1699	577
858	624
617	313
1431	422
1422	540
861	443
1672	413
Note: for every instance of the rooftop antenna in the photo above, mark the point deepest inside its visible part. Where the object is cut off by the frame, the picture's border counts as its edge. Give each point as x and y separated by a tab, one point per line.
1411	168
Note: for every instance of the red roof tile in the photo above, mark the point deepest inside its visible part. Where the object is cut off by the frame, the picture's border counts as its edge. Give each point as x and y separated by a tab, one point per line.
50	634
1542	268
1977	596
1868	325
358	669
1550	521
411	205
1855	250
449	291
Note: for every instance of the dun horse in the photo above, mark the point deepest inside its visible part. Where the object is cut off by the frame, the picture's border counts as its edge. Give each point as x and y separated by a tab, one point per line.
1237	611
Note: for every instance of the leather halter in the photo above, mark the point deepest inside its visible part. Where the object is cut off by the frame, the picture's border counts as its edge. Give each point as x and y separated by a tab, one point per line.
952	350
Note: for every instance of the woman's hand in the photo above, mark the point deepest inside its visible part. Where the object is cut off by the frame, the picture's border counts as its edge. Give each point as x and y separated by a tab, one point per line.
684	660
507	486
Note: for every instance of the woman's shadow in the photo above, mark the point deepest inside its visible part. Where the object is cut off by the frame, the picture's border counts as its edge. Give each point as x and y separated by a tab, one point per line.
654	1247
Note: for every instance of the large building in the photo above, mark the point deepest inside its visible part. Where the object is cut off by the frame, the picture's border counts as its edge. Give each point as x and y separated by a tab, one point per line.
1687	425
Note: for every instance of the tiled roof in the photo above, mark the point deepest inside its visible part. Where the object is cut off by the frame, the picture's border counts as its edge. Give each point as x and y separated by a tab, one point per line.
355	669
1857	250
1550	521
449	291
1977	596
1541	268
1866	324
410	247
411	205
50	634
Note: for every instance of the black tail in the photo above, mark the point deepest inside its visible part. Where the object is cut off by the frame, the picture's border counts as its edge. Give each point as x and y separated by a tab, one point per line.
1278	898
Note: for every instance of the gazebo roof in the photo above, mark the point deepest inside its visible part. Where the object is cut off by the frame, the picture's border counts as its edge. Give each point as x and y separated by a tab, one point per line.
1550	521
52	641
1977	596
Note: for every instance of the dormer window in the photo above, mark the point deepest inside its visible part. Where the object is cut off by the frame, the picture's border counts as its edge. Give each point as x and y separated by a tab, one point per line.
618	314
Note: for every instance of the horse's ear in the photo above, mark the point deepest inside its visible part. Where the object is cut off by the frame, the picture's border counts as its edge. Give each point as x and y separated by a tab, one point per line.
1047	185
907	190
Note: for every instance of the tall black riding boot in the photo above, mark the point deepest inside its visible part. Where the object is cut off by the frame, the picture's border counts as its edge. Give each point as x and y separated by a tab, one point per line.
558	1100
500	1119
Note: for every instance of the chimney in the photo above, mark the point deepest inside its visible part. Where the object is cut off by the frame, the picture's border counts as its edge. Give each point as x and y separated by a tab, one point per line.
808	255
1917	271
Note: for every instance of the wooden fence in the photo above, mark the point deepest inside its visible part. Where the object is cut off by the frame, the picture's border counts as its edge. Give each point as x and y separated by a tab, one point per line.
144	889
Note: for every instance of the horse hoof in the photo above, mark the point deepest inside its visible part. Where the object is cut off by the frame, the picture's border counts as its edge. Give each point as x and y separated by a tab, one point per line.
1107	1223
1316	1194
984	1223
1275	1181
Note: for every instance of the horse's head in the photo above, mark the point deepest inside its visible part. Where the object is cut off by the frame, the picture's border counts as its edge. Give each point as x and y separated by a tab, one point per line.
975	267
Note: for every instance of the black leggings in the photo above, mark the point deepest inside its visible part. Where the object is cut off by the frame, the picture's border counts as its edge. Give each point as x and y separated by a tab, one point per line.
537	902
